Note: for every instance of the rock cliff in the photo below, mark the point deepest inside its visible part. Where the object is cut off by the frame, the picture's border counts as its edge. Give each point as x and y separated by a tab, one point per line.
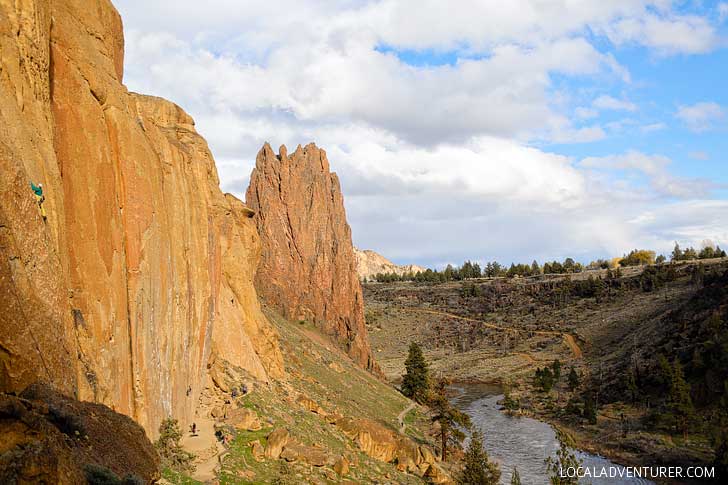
308	269
370	263
144	268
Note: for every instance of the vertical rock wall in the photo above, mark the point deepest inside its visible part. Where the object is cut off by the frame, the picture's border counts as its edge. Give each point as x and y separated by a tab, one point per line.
308	268
143	268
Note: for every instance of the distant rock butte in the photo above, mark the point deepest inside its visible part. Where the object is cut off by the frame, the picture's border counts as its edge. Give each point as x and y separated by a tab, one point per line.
370	263
144	269
308	269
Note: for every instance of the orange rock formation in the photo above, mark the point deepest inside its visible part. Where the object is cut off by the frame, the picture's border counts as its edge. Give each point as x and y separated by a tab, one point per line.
308	269
144	269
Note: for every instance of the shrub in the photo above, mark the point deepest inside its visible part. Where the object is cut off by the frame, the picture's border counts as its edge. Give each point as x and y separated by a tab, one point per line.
170	450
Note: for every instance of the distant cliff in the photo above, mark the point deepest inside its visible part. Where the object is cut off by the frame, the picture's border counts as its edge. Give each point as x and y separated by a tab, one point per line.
370	263
308	269
143	269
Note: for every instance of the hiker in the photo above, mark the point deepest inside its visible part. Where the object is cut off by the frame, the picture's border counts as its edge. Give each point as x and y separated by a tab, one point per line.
194	429
234	392
244	389
39	197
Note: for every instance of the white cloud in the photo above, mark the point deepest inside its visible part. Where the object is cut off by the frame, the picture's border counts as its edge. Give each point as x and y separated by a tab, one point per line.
699	155
655	168
585	113
700	117
440	155
608	102
667	35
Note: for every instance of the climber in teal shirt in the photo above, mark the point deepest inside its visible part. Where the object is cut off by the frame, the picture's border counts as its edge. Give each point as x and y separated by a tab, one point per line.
38	191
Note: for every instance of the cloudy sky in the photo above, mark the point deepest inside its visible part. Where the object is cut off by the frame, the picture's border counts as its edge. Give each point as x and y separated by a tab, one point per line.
465	130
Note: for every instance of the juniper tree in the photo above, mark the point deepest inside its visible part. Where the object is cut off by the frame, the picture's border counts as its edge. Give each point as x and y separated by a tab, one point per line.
680	403
573	379
448	417
478	470
416	381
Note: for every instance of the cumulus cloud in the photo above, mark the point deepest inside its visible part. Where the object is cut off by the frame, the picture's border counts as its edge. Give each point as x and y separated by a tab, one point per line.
700	117
655	169
441	159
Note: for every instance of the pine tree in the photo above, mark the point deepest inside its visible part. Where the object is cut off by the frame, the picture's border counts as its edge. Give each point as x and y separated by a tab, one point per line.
416	381
680	402
556	369
478	470
448	417
170	450
632	385
590	409
515	477
573	379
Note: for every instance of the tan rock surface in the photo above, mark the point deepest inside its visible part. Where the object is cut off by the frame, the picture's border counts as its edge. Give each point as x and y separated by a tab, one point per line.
144	267
370	263
277	440
307	269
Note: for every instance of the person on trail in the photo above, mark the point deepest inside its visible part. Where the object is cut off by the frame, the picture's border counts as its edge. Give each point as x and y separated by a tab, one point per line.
39	197
194	429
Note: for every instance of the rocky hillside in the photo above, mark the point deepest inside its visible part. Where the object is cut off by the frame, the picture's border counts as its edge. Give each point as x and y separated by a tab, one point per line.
308	270
370	263
143	269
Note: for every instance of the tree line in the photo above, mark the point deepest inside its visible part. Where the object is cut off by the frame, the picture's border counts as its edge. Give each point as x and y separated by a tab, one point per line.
469	269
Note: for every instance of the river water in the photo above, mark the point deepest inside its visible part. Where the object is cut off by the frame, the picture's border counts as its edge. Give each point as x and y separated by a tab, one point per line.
521	442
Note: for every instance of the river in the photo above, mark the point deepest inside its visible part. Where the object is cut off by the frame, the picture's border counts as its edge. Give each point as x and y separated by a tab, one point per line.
521	442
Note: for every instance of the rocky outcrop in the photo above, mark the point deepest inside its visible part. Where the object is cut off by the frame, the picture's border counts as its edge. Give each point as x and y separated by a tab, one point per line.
307	270
385	445
143	269
49	438
370	263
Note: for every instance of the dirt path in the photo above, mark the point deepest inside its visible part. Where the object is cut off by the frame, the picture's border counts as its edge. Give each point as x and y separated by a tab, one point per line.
206	448
568	338
400	417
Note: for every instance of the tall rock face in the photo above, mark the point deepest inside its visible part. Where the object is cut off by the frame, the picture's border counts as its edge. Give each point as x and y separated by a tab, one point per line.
144	268
308	269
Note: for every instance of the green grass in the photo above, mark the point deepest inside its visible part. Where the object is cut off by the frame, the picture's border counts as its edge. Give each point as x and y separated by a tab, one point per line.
351	393
178	478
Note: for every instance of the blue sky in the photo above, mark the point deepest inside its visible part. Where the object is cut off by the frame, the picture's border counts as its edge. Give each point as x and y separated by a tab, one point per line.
488	131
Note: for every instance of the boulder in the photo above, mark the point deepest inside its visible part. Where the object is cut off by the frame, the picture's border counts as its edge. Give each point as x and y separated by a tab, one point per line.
341	466
373	439
435	474
277	440
311	405
427	455
243	419
256	449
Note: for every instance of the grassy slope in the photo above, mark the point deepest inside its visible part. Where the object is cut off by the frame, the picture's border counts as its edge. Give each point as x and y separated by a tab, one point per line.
321	372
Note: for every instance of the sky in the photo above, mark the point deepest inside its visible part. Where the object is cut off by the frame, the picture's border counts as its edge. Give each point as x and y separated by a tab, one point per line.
482	130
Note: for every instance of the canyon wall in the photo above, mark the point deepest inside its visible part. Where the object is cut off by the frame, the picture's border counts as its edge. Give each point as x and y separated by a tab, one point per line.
144	268
308	269
370	263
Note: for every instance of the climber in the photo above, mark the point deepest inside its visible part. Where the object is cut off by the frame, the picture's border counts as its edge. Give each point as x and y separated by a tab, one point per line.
38	191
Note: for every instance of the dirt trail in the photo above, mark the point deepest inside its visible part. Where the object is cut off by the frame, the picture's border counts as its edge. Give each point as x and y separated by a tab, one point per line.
568	338
400	417
206	448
